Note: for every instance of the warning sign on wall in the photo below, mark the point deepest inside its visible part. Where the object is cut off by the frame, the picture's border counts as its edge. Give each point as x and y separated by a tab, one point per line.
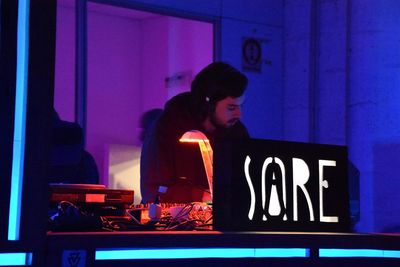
251	54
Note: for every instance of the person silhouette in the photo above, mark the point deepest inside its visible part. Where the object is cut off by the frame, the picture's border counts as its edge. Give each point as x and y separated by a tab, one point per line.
213	107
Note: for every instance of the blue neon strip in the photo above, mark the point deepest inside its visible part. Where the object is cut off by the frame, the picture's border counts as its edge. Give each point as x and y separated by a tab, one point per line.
282	252
391	253
354	253
19	122
192	253
15	259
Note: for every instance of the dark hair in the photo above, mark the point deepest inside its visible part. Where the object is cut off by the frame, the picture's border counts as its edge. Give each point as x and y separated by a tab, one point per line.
215	82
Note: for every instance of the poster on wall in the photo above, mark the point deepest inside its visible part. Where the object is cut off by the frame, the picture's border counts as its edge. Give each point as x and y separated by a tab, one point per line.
251	54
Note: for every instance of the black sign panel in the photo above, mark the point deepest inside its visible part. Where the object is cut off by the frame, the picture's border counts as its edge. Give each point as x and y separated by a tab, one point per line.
280	186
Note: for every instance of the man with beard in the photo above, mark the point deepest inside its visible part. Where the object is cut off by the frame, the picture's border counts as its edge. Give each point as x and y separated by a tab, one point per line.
213	106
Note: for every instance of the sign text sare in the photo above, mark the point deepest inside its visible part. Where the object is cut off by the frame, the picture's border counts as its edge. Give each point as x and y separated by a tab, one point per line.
276	191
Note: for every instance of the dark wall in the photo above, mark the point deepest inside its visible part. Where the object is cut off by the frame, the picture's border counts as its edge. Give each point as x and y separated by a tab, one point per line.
38	123
8	48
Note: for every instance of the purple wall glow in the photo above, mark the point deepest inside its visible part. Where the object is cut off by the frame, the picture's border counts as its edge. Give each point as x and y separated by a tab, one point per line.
128	61
154	66
113	101
64	93
172	46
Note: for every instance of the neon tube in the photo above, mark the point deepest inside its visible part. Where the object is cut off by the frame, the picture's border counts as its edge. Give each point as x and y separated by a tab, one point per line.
192	253
19	121
15	259
358	253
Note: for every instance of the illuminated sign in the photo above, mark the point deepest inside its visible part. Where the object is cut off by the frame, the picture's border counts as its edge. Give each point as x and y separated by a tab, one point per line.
280	186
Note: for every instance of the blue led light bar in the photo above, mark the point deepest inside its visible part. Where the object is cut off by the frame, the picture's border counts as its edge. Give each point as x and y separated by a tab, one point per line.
192	253
19	122
355	253
15	259
391	253
282	252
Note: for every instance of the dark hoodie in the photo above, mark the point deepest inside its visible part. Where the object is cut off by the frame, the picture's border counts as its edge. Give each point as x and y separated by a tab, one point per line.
179	166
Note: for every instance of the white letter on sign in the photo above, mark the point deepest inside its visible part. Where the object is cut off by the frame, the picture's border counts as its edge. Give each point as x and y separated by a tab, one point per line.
324	184
274	204
251	188
301	174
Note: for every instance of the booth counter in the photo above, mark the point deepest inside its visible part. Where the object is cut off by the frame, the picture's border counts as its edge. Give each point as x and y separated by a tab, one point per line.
214	248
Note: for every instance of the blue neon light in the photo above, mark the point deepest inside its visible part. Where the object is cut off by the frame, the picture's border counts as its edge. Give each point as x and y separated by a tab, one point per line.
15	259
192	253
391	253
19	122
282	252
354	253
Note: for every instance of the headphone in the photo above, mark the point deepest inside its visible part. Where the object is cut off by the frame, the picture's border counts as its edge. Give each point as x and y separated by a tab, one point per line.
207	105
213	84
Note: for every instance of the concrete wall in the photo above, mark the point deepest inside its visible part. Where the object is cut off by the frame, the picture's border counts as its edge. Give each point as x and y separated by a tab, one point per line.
315	71
296	73
341	86
374	108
